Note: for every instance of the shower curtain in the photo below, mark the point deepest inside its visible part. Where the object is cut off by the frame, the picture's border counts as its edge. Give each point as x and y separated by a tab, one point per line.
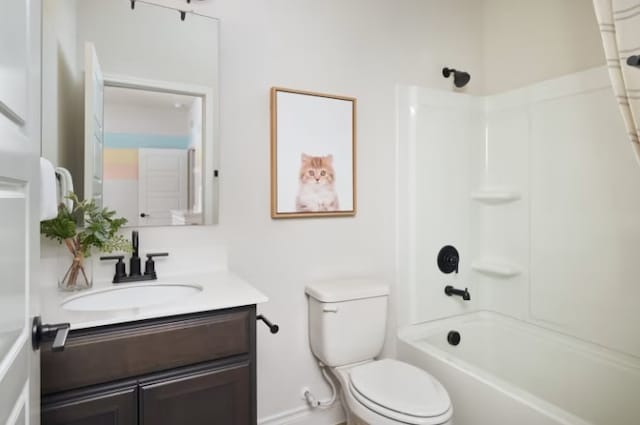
619	22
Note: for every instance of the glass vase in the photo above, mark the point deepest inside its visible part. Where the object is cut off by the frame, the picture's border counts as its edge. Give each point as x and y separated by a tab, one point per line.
75	270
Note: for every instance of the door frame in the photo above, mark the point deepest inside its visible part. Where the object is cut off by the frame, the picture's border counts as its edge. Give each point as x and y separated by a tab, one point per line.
93	124
210	135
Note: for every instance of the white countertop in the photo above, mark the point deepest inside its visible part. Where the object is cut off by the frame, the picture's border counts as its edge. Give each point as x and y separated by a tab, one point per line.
220	290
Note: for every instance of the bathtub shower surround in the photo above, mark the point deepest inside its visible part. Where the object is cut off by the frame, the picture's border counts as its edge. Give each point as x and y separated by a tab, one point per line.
434	182
517	373
542	208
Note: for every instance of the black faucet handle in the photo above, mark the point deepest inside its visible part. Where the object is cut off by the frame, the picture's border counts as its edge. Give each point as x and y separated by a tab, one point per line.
448	259
120	267
150	265
112	257
157	254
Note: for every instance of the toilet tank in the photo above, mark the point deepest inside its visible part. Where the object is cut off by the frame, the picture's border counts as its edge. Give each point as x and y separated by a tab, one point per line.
347	320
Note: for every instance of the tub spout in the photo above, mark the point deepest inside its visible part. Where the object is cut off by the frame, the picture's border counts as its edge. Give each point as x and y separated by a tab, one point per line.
450	290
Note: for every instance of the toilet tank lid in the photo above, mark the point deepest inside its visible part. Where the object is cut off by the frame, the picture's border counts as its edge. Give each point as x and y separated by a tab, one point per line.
332	291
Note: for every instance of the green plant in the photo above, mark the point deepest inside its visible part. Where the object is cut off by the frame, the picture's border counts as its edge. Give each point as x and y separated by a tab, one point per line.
100	230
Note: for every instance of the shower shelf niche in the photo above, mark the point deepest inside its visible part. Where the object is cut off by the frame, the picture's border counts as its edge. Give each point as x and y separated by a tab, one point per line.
495	196
495	268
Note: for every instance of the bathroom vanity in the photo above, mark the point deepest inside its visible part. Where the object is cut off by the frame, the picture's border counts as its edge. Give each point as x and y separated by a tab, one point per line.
192	361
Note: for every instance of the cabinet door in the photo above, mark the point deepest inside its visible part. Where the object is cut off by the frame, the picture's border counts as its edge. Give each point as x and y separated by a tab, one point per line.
210	397
109	408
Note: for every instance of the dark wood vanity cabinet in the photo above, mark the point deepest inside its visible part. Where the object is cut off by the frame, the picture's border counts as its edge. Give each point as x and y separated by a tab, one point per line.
118	407
197	369
210	397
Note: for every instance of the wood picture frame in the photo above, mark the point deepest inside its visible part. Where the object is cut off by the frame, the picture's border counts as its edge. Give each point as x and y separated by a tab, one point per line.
313	154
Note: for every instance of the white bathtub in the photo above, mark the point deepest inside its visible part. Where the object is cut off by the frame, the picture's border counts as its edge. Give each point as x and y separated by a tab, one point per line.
508	372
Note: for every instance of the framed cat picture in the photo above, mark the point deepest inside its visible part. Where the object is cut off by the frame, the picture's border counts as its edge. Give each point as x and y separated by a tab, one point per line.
313	154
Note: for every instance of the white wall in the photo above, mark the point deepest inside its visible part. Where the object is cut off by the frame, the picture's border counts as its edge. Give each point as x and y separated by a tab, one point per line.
149	42
61	95
134	119
530	41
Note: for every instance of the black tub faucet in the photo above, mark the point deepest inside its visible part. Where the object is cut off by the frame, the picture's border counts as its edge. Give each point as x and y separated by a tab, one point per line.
450	290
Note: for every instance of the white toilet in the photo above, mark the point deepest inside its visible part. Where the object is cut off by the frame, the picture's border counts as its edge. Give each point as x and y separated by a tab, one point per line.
347	323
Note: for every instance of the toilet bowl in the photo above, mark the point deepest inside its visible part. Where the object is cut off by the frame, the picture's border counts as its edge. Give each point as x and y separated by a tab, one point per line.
390	392
347	322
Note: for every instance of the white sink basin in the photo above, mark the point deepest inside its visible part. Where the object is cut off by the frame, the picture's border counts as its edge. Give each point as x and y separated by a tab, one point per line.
127	296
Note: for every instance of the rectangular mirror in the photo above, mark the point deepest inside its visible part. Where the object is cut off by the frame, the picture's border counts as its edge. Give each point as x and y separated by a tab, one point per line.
129	101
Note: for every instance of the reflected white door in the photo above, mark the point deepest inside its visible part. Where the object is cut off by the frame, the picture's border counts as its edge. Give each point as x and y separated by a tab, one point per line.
93	124
162	185
19	209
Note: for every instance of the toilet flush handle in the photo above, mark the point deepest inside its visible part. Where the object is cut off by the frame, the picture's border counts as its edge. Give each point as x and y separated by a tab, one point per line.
326	309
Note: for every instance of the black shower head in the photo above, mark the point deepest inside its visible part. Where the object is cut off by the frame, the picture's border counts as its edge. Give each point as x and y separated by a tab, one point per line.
460	78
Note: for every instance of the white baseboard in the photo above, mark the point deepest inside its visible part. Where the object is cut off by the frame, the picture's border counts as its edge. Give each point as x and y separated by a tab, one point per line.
306	416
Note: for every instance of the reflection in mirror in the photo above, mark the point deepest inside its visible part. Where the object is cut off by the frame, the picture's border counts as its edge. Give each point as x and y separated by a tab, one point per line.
129	107
152	156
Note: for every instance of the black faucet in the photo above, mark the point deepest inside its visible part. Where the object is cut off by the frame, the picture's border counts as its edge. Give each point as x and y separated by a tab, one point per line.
120	275
134	261
450	290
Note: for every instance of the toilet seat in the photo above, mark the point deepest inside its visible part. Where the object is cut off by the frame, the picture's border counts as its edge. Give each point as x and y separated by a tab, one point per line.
400	392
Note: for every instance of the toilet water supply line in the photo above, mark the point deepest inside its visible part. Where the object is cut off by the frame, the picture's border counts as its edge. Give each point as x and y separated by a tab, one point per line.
322	404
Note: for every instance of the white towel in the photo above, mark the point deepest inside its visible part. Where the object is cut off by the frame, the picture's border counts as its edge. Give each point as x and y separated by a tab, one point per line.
65	187
48	191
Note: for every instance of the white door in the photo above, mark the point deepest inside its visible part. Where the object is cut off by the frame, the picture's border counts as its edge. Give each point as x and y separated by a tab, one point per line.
162	185
93	124
19	209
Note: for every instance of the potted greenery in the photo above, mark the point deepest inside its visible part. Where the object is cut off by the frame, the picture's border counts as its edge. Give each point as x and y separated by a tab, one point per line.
100	231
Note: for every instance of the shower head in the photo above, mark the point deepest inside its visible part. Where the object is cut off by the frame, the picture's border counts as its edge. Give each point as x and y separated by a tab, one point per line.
460	78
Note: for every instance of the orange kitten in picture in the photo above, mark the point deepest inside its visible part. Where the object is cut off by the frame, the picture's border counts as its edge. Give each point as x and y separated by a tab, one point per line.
316	192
